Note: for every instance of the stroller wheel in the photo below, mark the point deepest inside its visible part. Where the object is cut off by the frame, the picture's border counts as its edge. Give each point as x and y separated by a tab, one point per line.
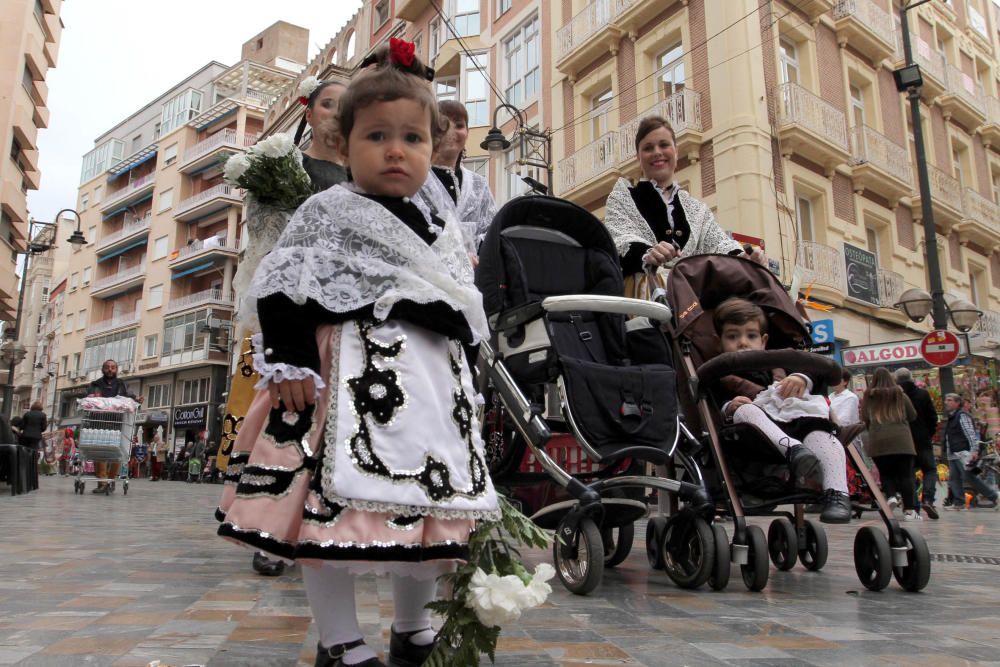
757	568
655	529
719	578
814	549
579	556
783	544
872	558
125	488
916	573
616	551
688	550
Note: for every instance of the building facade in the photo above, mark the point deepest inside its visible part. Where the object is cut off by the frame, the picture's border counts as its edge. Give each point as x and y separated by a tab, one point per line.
153	289
31	29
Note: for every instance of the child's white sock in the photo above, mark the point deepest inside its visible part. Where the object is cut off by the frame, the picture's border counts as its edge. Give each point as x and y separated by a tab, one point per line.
756	417
330	591
410	597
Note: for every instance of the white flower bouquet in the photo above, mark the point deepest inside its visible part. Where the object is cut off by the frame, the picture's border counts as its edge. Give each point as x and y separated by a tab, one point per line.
272	171
490	589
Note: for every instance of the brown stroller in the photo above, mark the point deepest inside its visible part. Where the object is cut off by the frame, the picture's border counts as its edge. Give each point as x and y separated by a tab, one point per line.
744	473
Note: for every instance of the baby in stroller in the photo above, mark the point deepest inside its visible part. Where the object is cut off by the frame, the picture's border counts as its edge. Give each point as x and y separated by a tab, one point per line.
782	407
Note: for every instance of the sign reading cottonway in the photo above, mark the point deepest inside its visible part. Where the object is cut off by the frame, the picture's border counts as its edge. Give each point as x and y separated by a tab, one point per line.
190	416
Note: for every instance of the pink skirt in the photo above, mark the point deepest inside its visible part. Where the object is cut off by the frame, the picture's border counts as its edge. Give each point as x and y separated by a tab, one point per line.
274	499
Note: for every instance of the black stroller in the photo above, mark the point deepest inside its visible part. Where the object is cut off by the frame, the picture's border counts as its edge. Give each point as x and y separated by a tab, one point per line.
564	378
745	474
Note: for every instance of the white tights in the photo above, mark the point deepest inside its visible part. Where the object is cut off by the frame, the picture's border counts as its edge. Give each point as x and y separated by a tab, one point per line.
330	591
824	446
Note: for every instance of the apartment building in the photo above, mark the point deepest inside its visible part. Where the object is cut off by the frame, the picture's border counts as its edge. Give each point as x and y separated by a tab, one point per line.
790	126
153	290
31	29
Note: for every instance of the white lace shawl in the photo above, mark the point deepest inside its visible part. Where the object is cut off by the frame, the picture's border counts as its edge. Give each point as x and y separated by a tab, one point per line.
475	207
627	226
264	226
346	252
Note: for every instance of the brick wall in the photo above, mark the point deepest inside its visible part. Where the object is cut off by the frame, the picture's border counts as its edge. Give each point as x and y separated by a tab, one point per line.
905	229
939	135
982	167
831	81
766	17
626	81
995	269
960	19
892	116
924	29
843	198
699	60
569	106
706	153
955	252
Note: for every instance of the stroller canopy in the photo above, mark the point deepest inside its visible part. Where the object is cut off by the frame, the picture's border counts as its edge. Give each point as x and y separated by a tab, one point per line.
698	284
538	218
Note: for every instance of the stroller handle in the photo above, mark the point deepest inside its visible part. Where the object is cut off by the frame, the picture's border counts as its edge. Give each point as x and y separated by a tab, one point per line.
607	304
793	361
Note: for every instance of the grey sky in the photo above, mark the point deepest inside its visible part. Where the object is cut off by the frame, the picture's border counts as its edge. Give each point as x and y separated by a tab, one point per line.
116	56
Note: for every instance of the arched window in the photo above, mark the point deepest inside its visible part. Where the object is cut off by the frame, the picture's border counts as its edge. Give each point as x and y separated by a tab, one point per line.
351	39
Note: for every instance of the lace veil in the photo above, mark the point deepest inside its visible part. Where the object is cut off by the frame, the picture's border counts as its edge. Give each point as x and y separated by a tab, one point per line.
346	252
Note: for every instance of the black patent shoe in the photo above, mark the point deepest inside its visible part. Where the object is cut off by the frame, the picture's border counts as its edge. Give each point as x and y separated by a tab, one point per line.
404	653
333	656
803	467
836	507
265	566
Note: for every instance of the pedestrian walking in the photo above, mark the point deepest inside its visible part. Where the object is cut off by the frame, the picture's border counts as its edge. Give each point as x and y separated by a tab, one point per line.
887	413
922	429
961	443
33	424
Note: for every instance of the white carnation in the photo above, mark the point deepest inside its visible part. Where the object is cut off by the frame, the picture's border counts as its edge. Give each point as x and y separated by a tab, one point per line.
498	600
308	85
538	591
275	146
235	167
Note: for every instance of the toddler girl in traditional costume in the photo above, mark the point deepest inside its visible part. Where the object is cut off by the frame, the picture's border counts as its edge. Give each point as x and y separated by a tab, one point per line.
782	408
368	456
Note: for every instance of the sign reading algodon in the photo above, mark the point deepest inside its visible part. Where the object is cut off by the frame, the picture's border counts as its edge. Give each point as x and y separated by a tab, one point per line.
190	416
897	353
861	270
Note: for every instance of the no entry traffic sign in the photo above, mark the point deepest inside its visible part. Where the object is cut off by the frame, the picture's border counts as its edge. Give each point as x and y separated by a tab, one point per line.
939	348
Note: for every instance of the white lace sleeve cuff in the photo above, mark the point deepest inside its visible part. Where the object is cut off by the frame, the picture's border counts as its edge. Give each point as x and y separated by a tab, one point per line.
279	372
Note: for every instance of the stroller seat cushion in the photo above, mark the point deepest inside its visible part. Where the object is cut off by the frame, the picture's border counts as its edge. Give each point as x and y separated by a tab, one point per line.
622	407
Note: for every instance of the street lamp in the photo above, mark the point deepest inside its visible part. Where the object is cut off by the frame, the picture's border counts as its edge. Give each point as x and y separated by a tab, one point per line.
917	304
535	146
35	246
909	81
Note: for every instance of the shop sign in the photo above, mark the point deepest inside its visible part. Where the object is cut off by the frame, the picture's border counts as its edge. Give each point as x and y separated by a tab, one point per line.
862	274
899	353
940	348
190	416
156	416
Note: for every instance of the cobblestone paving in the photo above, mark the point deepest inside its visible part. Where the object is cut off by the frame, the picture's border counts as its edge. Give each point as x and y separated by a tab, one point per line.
92	580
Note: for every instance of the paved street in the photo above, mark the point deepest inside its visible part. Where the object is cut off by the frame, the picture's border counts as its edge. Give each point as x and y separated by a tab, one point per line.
127	580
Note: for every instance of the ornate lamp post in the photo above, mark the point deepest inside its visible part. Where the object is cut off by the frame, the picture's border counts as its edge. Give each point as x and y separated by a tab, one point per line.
535	146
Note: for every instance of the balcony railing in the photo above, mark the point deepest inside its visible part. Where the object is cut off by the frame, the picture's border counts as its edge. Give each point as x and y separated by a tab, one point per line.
890	287
820	264
128	229
945	188
201	246
220	190
114	323
682	109
120	277
881	151
981	209
966	87
989	324
131	188
227	137
594	158
930	61
592	18
210	296
869	14
802	107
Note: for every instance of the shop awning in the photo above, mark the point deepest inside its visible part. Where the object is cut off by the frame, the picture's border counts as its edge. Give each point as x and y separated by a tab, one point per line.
193	269
134	244
122	209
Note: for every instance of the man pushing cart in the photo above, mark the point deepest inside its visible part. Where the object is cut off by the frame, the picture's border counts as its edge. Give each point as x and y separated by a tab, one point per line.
109	408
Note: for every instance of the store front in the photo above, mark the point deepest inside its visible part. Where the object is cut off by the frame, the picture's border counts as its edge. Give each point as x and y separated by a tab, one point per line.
188	422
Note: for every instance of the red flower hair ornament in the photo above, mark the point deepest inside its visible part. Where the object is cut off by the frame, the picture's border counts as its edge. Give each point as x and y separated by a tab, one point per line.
401	52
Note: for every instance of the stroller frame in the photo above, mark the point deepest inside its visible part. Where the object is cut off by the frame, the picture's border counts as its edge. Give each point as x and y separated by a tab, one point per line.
904	555
520	326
